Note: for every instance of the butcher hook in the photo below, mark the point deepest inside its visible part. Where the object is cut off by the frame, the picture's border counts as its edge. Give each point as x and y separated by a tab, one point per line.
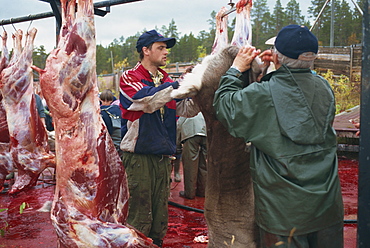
231	4
3	28
13	24
230	10
30	23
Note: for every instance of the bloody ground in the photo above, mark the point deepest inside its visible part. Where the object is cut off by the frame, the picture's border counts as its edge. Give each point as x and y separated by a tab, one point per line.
32	228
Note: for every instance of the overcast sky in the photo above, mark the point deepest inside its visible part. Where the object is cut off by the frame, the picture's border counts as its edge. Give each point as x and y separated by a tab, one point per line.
125	19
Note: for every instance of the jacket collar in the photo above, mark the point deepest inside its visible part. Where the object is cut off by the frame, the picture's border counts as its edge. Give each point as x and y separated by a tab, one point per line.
284	69
141	69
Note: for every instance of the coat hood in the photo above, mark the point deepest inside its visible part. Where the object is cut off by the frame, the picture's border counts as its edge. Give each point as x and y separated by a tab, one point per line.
303	103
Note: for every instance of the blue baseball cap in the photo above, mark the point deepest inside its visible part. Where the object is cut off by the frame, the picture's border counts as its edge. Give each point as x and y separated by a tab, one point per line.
152	36
293	40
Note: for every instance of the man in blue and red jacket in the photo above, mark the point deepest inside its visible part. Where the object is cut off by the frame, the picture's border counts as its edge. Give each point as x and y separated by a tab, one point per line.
150	139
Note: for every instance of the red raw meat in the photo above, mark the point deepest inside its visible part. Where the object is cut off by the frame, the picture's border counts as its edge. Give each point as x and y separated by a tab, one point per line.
91	198
4	52
221	37
6	161
243	27
28	137
243	36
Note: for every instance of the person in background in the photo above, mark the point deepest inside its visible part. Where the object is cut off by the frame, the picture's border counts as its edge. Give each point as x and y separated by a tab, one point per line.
115	100
150	140
193	136
40	109
288	119
356	123
48	119
177	161
111	115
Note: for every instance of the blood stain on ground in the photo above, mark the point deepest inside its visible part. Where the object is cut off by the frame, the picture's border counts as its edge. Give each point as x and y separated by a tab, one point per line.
33	228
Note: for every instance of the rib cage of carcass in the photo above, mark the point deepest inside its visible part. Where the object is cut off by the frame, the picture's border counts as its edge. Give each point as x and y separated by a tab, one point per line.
28	150
6	161
242	36
91	197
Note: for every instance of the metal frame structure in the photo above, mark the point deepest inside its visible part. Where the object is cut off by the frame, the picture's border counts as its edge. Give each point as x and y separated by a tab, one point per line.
363	226
56	11
363	212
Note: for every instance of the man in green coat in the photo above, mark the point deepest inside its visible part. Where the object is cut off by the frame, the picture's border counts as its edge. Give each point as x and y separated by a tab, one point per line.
288	119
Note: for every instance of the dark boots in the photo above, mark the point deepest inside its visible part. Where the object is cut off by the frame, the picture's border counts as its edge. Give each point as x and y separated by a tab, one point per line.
158	242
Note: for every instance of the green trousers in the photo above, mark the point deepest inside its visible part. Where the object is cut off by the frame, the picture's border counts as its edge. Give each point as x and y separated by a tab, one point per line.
148	179
330	237
194	155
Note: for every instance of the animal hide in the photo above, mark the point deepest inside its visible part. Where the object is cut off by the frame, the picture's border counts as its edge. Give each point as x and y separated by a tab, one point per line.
229	203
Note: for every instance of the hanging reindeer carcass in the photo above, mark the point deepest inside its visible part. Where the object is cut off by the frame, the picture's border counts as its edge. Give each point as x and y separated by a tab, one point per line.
6	160
28	144
229	203
90	204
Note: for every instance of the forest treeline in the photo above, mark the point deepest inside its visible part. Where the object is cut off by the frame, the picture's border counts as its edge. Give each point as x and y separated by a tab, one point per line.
121	52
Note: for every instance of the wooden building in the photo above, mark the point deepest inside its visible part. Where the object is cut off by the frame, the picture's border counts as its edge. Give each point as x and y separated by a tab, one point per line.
341	60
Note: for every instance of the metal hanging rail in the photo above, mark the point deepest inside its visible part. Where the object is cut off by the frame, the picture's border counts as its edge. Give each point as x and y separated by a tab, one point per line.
27	18
56	12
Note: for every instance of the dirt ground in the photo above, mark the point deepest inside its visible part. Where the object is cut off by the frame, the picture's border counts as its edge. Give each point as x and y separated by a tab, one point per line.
33	228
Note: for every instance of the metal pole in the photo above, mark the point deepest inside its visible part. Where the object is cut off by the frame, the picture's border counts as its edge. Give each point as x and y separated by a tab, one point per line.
319	15
363	227
332	24
55	6
27	18
51	14
358	7
111	58
112	2
114	75
351	64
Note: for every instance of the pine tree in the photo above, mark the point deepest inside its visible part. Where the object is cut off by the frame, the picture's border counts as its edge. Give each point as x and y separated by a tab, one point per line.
348	31
356	24
343	16
187	48
129	50
39	57
322	27
261	24
206	40
171	31
293	13
102	62
278	17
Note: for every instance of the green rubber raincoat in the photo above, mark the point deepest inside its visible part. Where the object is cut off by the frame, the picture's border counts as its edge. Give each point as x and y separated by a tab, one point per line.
288	119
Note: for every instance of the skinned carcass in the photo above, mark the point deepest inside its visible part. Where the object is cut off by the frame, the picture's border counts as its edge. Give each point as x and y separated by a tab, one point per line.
90	205
242	37
4	59
221	36
243	28
6	161
229	203
28	137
